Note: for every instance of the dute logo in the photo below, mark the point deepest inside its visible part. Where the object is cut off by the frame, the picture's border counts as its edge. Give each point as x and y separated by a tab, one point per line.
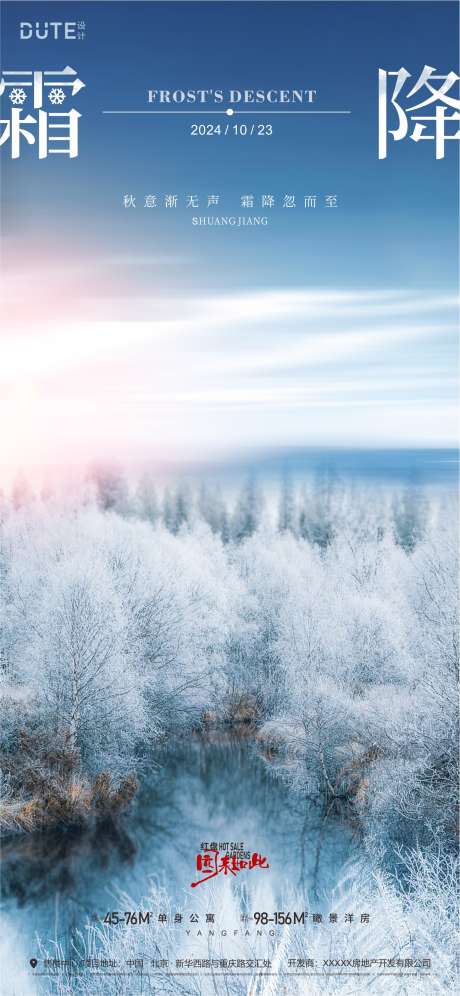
63	30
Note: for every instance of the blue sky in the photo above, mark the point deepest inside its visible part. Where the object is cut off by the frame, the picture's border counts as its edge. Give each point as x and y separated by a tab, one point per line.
333	326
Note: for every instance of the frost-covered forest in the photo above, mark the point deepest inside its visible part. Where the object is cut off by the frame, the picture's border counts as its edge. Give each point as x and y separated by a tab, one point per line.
321	614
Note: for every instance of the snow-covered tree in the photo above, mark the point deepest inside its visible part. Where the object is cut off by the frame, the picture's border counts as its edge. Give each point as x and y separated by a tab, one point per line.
247	513
145	499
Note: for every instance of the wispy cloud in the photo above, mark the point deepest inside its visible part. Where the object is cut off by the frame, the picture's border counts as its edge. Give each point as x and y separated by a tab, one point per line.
153	370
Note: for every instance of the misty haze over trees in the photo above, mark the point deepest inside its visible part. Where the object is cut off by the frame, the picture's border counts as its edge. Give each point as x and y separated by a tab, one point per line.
324	615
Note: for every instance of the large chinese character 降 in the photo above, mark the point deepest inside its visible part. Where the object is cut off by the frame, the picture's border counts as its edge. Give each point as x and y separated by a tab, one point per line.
431	126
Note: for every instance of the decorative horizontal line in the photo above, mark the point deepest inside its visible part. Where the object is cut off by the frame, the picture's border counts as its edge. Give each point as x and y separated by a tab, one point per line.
235	111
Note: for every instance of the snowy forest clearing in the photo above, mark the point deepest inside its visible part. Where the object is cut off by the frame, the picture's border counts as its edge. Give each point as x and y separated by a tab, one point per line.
324	631
318	863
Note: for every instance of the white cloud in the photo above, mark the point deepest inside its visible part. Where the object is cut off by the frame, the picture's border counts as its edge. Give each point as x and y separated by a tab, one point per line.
264	367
